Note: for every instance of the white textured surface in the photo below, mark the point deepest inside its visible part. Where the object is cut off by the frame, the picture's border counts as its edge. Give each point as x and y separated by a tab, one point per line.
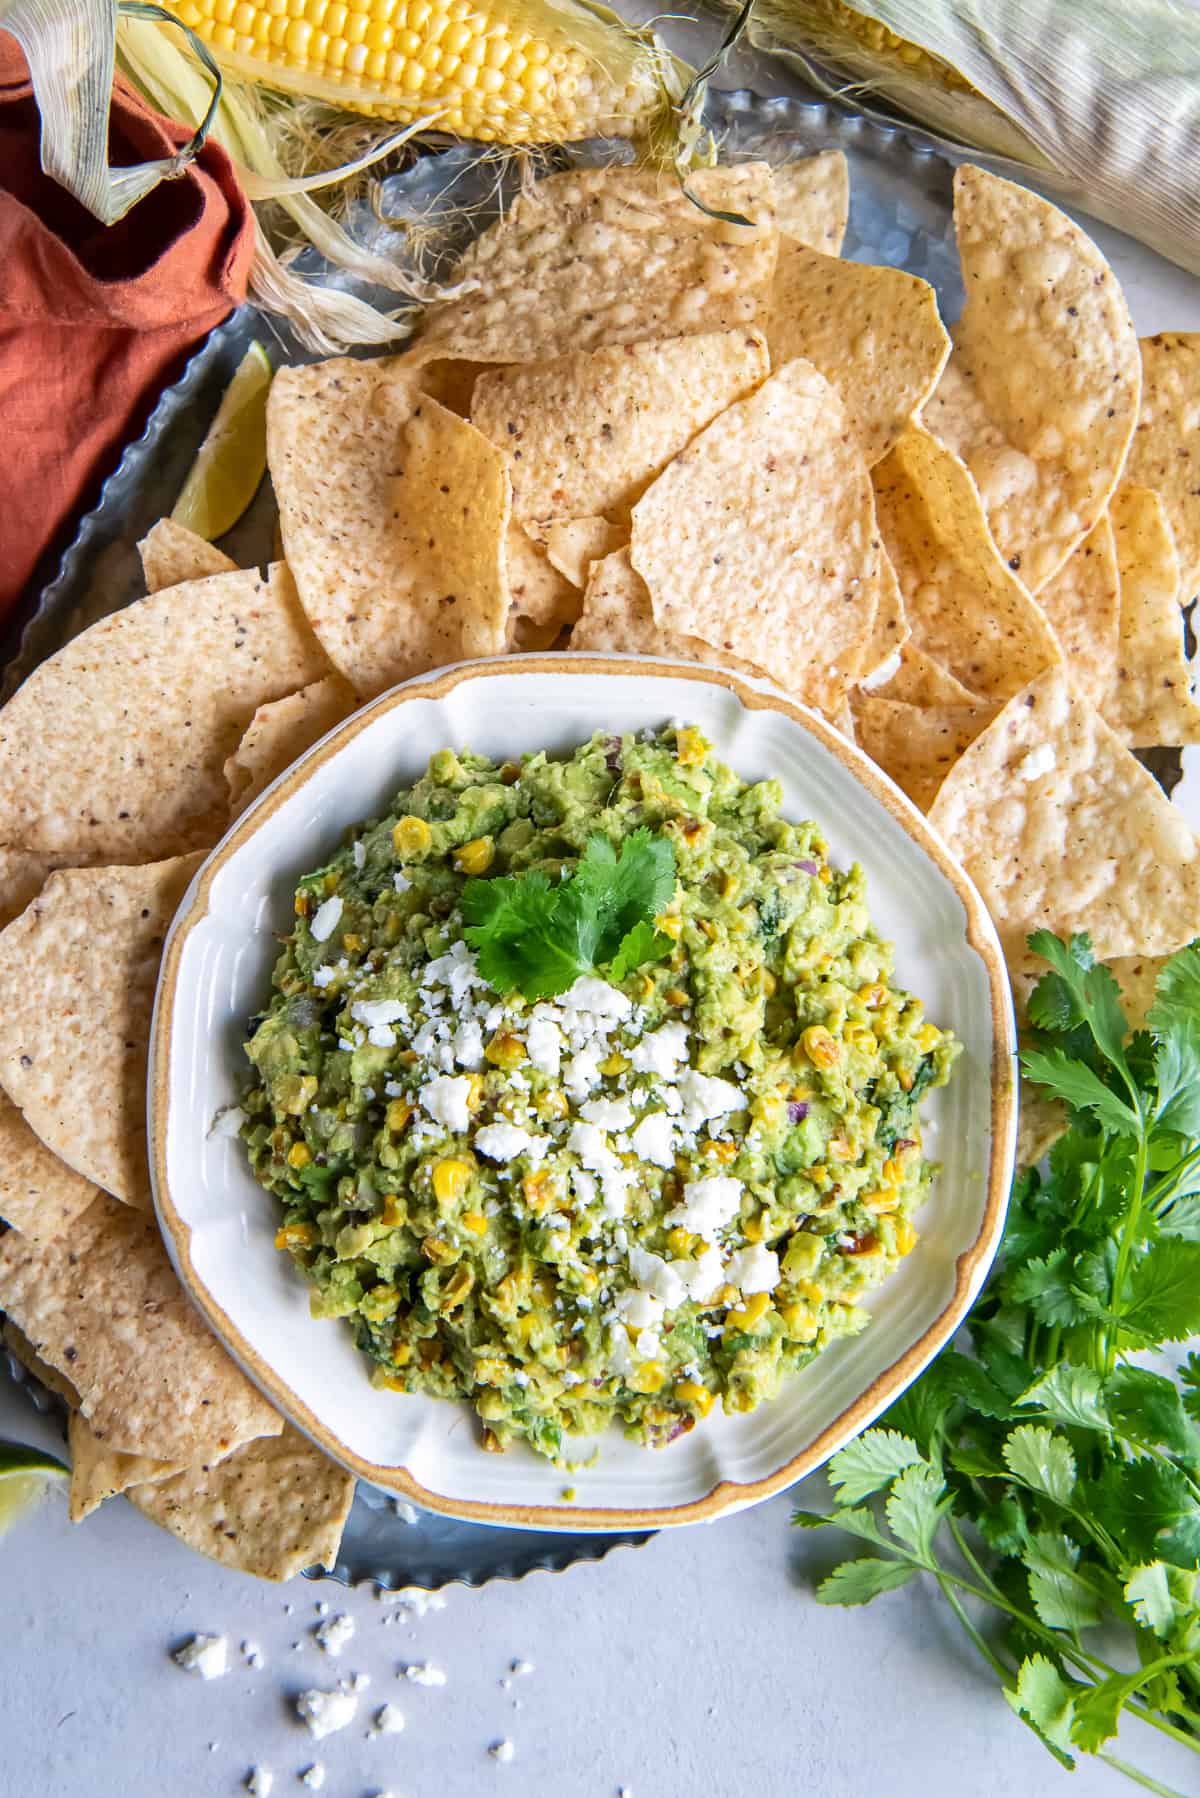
223	976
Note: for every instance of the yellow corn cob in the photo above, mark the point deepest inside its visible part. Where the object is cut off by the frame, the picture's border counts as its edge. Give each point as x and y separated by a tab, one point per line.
504	71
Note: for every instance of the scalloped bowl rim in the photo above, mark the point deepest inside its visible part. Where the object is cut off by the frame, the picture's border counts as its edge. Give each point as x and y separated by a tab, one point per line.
171	1066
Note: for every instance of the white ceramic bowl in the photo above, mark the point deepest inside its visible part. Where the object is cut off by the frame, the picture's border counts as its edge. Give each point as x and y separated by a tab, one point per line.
220	1225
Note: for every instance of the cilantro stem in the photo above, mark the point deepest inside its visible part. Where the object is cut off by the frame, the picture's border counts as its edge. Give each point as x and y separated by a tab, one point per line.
1139	1778
1130	1231
1162	1193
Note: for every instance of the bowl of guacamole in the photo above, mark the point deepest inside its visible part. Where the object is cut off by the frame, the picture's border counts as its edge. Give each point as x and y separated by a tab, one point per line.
586	1093
581	1098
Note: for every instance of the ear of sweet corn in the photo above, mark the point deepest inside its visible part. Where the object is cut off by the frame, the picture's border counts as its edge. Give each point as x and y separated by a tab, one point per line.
503	71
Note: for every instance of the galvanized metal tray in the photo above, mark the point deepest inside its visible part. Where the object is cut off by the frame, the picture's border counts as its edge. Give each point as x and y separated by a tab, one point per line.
900	214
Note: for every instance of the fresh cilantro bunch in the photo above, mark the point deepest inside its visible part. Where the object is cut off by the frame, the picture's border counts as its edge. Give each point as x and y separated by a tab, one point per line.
538	936
1049	1484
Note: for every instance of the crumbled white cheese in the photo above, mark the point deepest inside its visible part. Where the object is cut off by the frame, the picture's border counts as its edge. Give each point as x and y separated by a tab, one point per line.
609	1114
582	1073
1039	761
401	882
314	1777
334	1633
543	1041
654	1140
445	1099
260	1782
359	852
504	1142
228	1121
502	1751
705	1098
326	1712
326	920
389	1720
407	1514
641	1309
413	1599
253	1654
425	1673
588	1142
755	1269
455	970
657	1277
467	1045
594	999
206	1655
378	1011
709	1205
522	1667
661	1051
325	975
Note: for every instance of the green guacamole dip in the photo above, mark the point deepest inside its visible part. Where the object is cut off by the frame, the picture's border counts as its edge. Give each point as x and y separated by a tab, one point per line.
634	1199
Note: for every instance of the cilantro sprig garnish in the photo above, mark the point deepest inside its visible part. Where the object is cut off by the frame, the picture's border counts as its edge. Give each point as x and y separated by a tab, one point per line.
1046	1476
537	936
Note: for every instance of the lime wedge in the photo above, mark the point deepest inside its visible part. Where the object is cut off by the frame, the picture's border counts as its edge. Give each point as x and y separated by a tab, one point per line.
230	462
24	1473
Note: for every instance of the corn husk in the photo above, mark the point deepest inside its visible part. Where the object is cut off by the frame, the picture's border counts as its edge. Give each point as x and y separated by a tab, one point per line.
1096	101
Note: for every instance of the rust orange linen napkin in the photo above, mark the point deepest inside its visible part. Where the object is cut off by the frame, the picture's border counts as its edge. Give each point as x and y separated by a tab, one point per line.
94	319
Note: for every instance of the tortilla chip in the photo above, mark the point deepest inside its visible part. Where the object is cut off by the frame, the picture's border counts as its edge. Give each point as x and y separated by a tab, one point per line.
451	382
18	1344
966	608
1083	604
1040	397
917	745
1165	452
524	636
273	1508
613	255
1061	829
99	1472
1150	700
617	618
114	750
1041	1120
874	333
171	553
278	735
812	200
39	1194
587	433
22	877
538	590
890	632
360	480
760	537
572	547
78	971
105	1305
919	680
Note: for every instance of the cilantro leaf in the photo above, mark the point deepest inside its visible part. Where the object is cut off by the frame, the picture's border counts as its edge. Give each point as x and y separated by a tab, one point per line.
1189	1378
1075	1082
915	1507
1039	1458
638	946
1098	1709
1061	1597
1163	1295
1147	1408
1148	1592
962	1378
1045	1699
857	1521
1049	1289
1071	1395
1149	1509
622	891
857	1582
1090	986
1004	1526
870	1462
538	937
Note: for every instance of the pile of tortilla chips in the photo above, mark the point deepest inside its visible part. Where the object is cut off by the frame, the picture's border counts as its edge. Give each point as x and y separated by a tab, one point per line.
636	427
